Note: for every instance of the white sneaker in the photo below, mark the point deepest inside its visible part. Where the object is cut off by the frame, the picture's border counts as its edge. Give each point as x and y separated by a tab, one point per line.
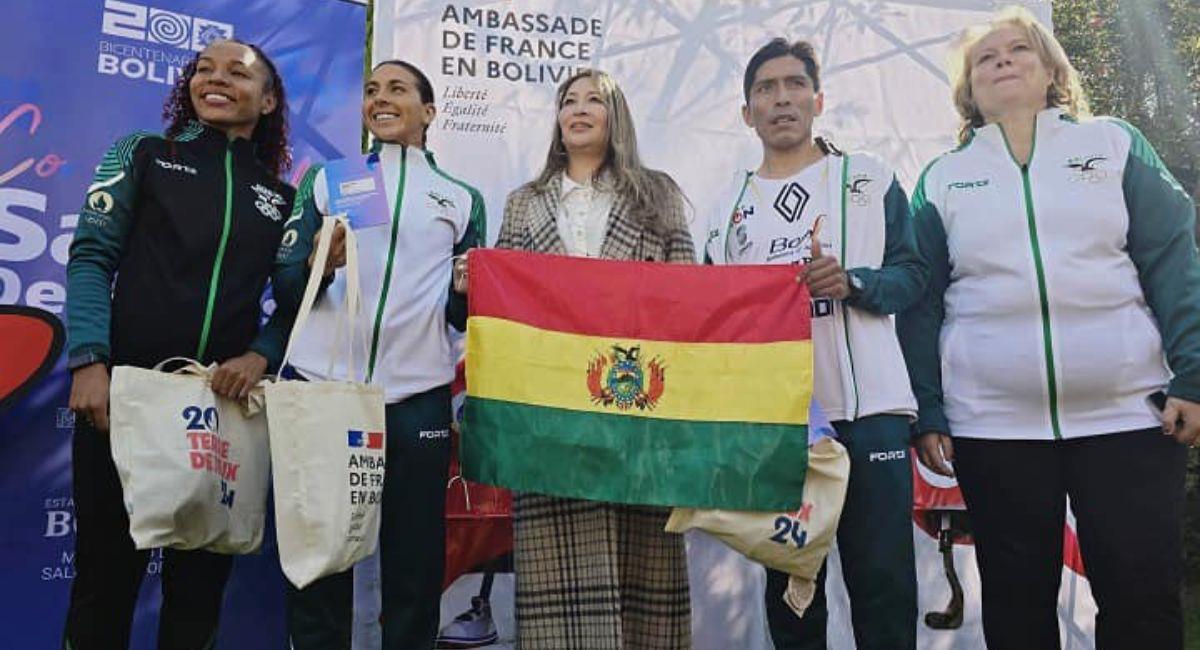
473	628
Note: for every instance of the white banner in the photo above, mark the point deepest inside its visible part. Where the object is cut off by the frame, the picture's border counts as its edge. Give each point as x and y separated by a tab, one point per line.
495	67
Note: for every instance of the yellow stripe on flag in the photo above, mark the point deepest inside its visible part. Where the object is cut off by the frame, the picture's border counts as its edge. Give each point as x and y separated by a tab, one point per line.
716	382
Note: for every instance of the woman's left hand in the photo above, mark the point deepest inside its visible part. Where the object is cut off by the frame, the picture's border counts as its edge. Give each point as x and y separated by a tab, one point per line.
1181	419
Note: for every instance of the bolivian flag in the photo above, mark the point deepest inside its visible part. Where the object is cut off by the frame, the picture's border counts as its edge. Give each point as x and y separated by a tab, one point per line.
634	382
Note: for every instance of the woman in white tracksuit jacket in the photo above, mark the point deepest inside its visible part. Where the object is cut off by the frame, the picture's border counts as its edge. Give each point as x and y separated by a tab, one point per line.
1064	290
427	218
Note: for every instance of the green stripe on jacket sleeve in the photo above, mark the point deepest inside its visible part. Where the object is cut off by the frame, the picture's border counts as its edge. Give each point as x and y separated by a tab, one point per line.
919	327
104	225
1162	245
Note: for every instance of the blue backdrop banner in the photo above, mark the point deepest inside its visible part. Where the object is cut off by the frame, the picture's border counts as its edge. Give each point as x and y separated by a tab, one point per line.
74	77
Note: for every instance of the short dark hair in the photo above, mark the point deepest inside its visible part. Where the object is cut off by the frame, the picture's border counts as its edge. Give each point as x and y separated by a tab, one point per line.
779	47
424	88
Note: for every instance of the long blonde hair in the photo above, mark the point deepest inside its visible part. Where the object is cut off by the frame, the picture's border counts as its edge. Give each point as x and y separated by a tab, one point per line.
1065	90
647	189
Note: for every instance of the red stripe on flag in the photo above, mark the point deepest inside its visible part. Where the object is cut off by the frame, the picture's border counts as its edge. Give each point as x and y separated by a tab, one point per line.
641	300
375	440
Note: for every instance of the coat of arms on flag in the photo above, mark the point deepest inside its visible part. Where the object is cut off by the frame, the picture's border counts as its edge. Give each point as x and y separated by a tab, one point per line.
635	382
618	379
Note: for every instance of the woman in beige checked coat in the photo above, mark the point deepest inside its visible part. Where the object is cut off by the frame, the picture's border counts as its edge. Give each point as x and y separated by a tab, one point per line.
592	575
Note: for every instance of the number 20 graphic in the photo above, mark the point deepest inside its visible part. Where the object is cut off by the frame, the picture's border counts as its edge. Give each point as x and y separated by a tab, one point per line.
198	419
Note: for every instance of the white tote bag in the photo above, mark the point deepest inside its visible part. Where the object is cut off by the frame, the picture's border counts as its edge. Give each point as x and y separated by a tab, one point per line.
193	465
793	542
327	446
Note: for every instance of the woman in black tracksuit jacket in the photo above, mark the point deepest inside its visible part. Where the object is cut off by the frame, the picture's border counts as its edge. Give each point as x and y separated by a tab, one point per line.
188	224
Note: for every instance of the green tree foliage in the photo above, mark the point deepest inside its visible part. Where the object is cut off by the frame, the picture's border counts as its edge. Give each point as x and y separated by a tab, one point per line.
1140	60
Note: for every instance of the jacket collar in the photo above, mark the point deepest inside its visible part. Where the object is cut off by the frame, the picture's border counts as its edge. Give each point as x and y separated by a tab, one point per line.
1047	121
379	145
209	133
411	155
215	141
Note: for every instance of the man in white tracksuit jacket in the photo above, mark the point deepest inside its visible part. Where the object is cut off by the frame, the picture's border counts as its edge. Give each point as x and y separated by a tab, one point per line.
405	269
813	205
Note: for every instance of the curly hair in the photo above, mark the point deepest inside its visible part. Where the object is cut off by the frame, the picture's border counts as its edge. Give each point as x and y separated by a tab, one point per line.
270	134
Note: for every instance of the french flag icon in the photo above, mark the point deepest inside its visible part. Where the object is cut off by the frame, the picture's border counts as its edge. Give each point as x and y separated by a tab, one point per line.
368	439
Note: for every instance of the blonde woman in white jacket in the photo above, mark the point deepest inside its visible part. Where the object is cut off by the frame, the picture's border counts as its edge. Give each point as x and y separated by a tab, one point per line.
1064	291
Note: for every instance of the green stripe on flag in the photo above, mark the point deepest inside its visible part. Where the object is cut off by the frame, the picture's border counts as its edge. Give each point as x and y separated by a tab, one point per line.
639	460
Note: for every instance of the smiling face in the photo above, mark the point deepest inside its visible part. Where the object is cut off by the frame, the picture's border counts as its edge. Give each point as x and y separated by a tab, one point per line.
583	118
783	103
1007	73
231	88
392	108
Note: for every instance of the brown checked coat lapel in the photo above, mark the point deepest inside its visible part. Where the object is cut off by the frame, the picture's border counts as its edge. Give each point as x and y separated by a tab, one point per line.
531	223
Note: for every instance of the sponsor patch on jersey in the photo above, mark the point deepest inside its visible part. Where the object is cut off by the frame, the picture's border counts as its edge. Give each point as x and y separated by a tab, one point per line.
858	190
100	201
290	237
440	203
268	202
175	167
1087	169
790	202
968	185
739	245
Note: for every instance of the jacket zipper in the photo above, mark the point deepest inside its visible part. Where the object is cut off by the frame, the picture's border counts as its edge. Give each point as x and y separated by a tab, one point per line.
1047	342
387	274
216	272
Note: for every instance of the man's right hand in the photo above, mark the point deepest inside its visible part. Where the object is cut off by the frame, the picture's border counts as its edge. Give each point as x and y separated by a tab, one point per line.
89	394
936	452
337	251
